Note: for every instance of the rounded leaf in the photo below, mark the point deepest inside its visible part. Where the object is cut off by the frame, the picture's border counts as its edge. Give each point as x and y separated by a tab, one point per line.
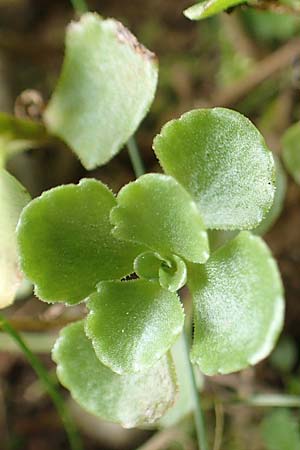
222	160
156	211
106	87
132	324
65	242
131	400
238	306
13	198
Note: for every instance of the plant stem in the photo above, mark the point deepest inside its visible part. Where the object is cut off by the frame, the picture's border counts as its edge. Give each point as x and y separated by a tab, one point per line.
35	324
80	6
198	411
38	342
135	157
272	400
73	437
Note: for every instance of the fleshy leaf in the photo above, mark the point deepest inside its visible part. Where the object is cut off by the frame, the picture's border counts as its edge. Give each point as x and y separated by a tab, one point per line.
13	198
219	237
106	87
19	134
132	324
171	273
131	400
222	160
291	151
277	206
238	306
147	265
173	276
65	242
156	211
209	8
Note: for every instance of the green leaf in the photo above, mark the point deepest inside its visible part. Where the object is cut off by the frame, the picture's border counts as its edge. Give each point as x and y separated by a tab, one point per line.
13	198
131	400
19	134
66	245
219	237
171	273
173	276
133	324
238	306
156	211
147	265
291	151
280	431
106	87
222	160
209	8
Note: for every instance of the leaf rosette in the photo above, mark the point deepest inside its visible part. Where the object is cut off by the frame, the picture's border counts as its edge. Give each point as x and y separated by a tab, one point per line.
127	255
81	242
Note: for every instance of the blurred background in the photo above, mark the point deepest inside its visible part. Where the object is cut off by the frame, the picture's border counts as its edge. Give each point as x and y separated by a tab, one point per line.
248	60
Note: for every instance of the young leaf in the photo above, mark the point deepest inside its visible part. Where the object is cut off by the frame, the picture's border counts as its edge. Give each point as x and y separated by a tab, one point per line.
209	8
65	242
13	198
105	89
222	160
238	306
131	400
280	431
291	151
173	277
147	265
156	211
133	324
171	273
